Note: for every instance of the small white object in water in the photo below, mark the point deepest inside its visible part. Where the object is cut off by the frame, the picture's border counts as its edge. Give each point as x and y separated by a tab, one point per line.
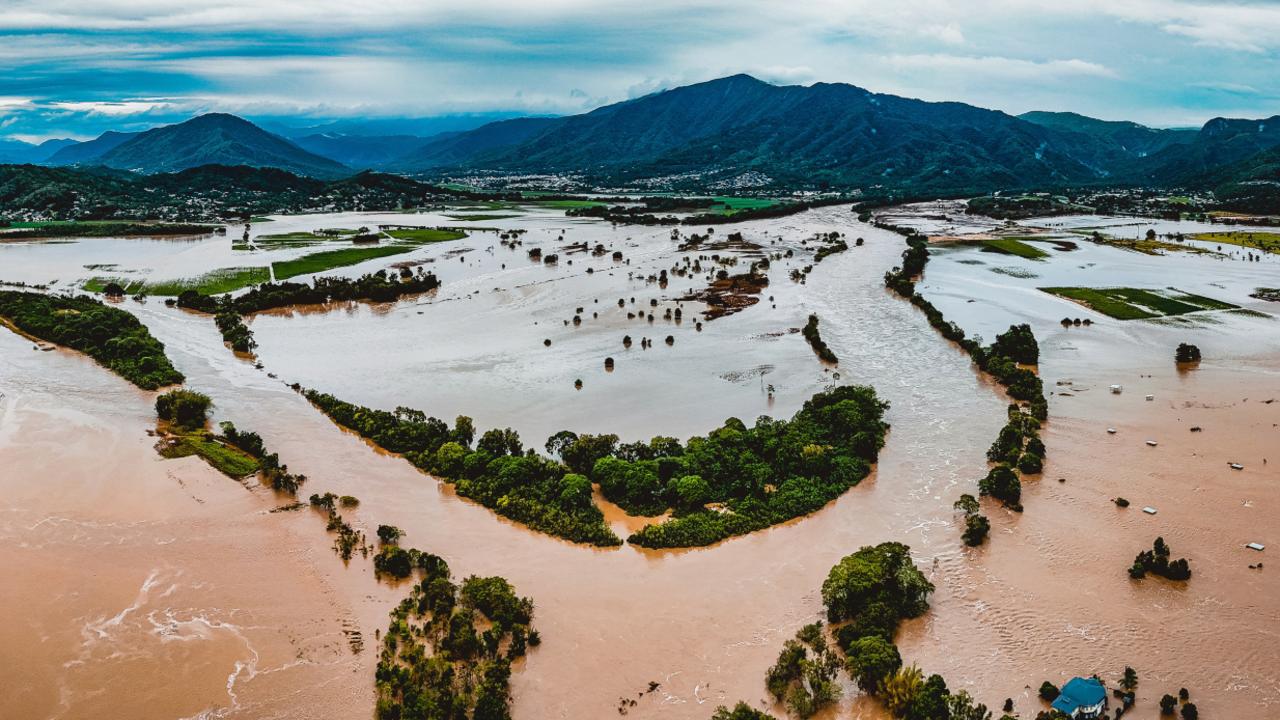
1152	443
1116	389
1236	466
1256	546
1149	510
1150	398
1111	430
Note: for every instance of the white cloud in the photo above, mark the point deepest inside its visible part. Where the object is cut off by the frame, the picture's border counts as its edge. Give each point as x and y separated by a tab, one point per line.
993	67
114	109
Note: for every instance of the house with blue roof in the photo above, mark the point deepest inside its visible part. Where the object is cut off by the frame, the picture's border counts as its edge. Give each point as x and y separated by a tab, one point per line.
1082	698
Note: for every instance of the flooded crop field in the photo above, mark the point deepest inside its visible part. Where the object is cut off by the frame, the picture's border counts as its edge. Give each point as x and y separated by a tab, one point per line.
131	573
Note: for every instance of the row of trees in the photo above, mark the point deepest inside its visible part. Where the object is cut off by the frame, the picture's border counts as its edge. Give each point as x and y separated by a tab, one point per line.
1156	561
114	338
499	472
819	346
1018	448
753	477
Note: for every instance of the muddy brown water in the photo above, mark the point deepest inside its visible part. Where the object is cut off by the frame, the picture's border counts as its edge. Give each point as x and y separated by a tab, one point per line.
149	588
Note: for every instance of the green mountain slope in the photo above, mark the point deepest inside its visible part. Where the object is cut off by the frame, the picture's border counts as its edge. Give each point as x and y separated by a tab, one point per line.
218	139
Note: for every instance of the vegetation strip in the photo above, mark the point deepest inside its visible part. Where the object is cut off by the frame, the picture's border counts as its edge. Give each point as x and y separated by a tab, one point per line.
1018	444
114	338
331	259
810	333
733	481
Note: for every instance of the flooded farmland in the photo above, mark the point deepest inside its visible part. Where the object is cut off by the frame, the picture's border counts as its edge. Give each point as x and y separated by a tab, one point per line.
165	572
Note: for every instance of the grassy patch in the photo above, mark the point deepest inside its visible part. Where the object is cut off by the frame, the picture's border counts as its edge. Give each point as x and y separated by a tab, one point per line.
1013	246
1264	241
226	459
330	259
1138	303
424	236
731	205
567	204
99	284
474	218
215	282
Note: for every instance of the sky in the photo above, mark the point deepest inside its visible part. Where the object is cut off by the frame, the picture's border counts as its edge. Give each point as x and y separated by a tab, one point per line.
74	68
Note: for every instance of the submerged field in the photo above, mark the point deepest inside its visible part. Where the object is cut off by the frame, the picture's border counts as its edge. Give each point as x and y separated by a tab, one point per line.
1138	303
505	341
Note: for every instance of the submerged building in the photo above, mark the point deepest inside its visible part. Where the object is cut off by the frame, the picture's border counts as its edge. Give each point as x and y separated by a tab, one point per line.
1082	698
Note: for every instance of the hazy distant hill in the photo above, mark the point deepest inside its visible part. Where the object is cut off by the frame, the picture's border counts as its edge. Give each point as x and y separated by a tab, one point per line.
86	153
1126	139
359	151
219	139
18	151
1220	144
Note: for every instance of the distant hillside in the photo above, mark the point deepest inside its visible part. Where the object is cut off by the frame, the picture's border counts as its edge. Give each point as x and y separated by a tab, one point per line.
18	151
1220	144
218	139
86	153
360	151
209	192
1129	139
826	134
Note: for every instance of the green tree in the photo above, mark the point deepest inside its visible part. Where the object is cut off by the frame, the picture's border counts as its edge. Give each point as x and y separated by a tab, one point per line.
185	408
900	689
870	660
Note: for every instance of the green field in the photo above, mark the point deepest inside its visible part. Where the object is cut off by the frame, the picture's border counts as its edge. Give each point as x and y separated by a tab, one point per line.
474	218
1138	303
1014	246
214	282
1264	241
424	236
330	259
228	460
303	238
731	205
568	204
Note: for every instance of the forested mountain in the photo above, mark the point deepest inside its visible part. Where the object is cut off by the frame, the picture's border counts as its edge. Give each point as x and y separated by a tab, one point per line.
87	153
219	139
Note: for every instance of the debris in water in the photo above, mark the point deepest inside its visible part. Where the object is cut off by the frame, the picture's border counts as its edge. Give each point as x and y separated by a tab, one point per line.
1111	431
1149	510
1152	443
1236	466
1256	546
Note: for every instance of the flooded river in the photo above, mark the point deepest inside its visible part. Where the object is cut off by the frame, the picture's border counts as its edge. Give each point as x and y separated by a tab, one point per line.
135	576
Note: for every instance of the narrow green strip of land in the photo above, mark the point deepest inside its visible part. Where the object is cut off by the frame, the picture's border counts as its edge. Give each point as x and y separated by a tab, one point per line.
1263	241
1014	246
230	461
1138	303
330	259
114	338
425	236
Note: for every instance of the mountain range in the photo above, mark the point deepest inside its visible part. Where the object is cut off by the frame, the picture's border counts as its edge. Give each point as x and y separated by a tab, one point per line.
737	132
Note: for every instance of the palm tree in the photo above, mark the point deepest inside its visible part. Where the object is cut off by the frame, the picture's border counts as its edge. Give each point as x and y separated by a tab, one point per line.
899	688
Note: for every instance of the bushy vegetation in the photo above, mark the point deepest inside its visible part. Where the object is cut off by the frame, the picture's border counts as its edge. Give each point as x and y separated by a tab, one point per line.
867	595
186	409
1186	353
1156	561
805	684
274	474
331	259
114	338
811	334
737	479
448	650
741	711
497	473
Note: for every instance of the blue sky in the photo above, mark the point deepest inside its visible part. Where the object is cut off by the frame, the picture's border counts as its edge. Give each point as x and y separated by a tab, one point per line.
73	68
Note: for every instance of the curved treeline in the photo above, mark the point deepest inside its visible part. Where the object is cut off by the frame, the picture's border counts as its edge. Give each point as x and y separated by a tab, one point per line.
1018	448
497	473
732	481
379	286
114	338
811	334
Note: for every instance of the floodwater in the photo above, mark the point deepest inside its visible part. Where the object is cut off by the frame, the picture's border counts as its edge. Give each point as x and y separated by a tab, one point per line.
103	529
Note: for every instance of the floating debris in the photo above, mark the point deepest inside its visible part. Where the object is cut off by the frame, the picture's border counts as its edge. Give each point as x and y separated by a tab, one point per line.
1152	443
1236	466
1149	510
1256	546
1150	398
1111	431
1116	389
